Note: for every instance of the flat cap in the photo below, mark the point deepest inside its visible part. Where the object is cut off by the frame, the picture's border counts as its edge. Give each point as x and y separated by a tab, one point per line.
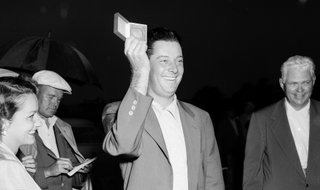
50	78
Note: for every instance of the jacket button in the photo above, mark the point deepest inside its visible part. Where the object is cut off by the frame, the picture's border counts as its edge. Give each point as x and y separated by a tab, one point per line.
306	185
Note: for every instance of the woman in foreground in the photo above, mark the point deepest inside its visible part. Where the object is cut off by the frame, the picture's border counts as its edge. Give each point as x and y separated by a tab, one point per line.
18	123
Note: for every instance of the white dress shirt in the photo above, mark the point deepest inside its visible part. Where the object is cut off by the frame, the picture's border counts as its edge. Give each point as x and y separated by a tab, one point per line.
47	134
233	123
299	122
172	131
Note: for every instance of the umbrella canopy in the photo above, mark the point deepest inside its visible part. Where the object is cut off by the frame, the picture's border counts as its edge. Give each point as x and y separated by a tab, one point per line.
7	73
33	54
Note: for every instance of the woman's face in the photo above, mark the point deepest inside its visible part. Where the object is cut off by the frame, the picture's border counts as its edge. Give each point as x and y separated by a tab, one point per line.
24	122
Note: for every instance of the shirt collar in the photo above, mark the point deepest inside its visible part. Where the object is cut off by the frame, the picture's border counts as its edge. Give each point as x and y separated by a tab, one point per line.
290	110
172	108
52	120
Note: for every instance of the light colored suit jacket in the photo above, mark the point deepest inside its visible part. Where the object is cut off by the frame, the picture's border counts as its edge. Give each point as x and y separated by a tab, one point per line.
136	136
272	161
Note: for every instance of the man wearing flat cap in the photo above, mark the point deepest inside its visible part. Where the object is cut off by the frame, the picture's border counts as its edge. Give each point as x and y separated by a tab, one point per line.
55	149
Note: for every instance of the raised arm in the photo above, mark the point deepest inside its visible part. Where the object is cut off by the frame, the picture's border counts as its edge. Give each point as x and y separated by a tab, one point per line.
124	127
135	51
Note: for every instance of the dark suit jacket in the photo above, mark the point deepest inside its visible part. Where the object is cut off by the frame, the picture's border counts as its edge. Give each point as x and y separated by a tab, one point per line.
230	142
272	161
136	135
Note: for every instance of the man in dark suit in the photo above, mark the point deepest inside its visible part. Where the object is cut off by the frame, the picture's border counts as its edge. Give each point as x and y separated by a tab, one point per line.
283	146
231	145
165	144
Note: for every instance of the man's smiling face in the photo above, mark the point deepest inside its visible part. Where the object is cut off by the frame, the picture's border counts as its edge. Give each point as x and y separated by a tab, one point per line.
167	69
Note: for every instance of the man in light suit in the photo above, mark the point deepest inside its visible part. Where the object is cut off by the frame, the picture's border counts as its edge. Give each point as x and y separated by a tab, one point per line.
55	150
165	143
283	142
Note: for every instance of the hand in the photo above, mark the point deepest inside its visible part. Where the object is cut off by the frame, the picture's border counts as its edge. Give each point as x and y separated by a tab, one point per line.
135	51
87	168
62	165
30	164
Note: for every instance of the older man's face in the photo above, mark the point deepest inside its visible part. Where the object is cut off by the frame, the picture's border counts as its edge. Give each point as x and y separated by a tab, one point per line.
49	100
167	69
298	87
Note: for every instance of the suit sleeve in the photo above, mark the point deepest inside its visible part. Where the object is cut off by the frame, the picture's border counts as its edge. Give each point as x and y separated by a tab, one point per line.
124	133
109	115
253	170
214	177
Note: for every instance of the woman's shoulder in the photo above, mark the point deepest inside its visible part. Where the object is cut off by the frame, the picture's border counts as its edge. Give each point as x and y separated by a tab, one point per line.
8	158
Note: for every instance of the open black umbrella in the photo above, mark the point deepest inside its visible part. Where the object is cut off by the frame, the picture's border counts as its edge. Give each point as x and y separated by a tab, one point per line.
33	54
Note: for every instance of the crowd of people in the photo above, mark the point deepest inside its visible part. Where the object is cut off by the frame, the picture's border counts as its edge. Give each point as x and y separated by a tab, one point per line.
162	142
33	137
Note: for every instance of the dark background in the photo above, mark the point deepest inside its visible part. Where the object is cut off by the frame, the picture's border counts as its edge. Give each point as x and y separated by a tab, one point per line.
233	49
228	45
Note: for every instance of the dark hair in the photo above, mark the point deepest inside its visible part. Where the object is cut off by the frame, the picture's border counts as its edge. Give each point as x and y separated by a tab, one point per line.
159	34
12	94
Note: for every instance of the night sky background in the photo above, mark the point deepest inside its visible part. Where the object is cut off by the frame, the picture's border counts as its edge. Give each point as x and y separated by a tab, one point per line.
226	43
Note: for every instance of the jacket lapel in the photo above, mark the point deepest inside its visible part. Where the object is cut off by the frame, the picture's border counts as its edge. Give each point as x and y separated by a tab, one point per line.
39	140
192	138
191	134
152	127
314	136
279	124
69	139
